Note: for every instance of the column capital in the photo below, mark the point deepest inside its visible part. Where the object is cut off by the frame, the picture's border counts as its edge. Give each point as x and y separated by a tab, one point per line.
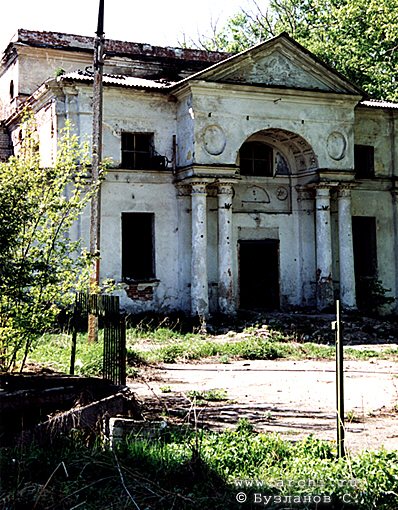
323	189
394	193
344	191
304	192
198	188
183	190
225	188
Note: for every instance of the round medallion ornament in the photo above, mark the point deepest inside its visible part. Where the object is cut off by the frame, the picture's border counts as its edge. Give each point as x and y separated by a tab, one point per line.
214	140
282	193
336	145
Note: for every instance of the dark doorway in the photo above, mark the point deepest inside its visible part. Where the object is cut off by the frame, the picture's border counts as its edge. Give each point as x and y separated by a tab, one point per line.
259	274
138	254
365	256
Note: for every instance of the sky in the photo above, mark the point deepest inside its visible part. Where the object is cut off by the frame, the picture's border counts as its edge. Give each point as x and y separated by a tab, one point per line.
157	22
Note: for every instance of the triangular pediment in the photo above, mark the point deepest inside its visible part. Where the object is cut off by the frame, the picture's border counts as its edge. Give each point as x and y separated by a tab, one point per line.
276	69
279	62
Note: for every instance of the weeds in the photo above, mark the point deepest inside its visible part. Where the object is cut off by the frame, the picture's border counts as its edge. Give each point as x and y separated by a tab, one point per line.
191	470
53	351
168	346
251	348
165	389
213	395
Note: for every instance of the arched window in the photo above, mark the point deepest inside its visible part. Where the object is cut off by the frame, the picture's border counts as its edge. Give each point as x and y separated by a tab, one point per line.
12	91
256	158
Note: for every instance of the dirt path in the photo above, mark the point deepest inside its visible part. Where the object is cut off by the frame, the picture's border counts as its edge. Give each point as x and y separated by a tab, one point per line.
293	398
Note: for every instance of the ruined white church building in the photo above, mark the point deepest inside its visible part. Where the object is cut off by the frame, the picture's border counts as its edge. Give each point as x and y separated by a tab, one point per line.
262	180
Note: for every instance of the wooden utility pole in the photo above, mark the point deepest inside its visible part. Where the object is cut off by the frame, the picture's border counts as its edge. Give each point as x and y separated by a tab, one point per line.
95	220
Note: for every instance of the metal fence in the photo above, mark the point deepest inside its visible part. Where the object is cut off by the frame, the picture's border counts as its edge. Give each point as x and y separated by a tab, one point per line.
106	308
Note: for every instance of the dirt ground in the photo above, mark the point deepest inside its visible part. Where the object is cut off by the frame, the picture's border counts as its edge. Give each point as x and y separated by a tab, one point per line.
292	398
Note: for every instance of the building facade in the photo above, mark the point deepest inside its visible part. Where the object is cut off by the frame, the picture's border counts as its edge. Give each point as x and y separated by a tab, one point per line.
263	180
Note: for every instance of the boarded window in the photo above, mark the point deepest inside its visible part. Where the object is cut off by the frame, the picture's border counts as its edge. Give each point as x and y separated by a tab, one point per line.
138	253
256	158
364	161
137	150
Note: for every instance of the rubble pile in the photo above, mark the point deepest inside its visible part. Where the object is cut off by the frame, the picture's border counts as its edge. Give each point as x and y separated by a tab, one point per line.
297	327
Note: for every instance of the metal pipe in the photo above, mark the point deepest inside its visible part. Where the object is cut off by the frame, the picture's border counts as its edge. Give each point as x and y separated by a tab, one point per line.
339	383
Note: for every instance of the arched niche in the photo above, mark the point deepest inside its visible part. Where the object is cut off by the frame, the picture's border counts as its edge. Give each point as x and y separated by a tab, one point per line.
276	152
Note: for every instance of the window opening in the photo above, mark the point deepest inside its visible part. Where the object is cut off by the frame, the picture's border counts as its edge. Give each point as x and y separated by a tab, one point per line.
256	158
138	247
137	150
364	161
365	256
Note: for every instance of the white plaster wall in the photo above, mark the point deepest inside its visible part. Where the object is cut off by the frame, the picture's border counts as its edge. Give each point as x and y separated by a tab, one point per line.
303	216
7	104
377	127
185	131
379	204
240	114
124	110
257	226
138	111
184	250
36	65
46	131
122	193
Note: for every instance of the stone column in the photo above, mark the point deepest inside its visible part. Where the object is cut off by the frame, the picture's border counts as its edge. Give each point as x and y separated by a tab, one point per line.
226	295
306	231
199	282
346	250
324	280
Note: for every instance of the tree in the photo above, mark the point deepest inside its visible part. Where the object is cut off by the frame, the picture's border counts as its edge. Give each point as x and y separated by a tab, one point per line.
356	37
40	266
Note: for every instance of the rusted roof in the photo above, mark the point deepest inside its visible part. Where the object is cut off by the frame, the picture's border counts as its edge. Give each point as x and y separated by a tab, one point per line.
375	103
113	47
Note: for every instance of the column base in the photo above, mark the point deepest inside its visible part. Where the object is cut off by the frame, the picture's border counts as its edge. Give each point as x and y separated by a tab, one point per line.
324	295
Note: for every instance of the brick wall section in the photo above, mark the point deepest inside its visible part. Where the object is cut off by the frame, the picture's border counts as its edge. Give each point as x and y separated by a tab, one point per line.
140	291
75	42
5	144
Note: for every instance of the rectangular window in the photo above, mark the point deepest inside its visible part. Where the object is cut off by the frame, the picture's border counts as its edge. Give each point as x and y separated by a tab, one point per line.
256	159
364	161
137	150
365	257
138	247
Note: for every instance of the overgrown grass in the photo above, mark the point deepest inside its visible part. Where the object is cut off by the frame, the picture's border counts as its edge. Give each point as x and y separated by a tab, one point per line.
159	335
251	348
212	395
169	346
54	352
188	470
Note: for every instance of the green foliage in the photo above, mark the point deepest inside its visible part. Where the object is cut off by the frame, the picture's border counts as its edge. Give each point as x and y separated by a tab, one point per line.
157	335
40	266
250	348
373	296
357	37
190	469
53	351
244	425
212	395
